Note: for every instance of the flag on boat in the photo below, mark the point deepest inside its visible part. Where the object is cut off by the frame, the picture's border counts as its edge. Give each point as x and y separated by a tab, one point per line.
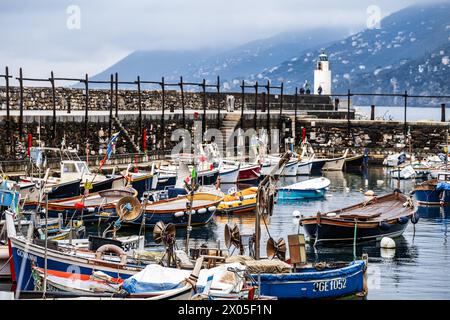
401	158
110	148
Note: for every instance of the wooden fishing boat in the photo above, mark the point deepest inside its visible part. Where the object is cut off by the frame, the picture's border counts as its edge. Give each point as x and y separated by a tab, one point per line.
87	208
174	210
370	220
308	189
249	173
229	173
239	202
434	191
333	280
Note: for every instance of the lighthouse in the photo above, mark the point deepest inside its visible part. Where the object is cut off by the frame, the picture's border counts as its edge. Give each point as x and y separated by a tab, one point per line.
322	75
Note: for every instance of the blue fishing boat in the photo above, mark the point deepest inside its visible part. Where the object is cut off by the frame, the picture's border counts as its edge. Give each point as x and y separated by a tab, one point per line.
434	191
309	189
311	283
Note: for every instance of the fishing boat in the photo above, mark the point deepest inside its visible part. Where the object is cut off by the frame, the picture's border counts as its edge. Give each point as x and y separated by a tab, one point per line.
87	208
377	217
229	173
239	202
434	191
319	281
25	253
308	189
335	164
175	210
357	162
391	160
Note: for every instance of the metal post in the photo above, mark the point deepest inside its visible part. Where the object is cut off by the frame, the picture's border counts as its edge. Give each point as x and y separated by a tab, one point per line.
348	111
111	106
406	105
372	112
182	102
443	112
281	115
21	103
140	109
268	113
295	115
52	81
204	109
163	103
117	94
8	119
86	97
218	102
255	125
242	103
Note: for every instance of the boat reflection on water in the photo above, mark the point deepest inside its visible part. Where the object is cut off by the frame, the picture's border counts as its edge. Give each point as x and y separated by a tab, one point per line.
433	212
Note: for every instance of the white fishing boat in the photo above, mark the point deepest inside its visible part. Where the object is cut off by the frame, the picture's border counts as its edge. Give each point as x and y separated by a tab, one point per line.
309	189
335	164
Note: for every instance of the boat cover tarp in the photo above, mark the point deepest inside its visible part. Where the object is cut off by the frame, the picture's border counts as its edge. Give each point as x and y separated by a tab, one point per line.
311	274
441	186
156	278
267	266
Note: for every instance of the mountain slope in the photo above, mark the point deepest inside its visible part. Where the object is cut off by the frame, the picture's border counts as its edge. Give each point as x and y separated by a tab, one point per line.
366	61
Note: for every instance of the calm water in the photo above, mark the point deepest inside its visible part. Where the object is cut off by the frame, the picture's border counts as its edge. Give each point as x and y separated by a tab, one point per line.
397	113
419	267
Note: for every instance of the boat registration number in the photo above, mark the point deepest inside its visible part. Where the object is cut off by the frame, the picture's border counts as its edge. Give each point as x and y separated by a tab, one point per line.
328	285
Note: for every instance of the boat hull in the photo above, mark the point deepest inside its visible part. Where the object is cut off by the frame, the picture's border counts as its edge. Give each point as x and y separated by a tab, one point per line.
344	234
286	194
249	174
304	168
432	197
229	176
24	254
334	164
313	284
317	165
290	170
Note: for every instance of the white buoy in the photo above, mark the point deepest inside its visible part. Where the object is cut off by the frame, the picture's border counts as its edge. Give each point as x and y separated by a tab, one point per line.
369	193
331	214
296	213
387	243
387	253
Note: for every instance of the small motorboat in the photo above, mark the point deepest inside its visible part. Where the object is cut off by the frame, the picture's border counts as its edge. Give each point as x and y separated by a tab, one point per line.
175	210
434	191
249	173
86	208
377	217
290	169
239	202
335	164
309	189
228	173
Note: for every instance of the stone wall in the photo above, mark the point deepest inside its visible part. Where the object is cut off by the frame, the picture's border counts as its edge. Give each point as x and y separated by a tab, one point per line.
380	137
40	98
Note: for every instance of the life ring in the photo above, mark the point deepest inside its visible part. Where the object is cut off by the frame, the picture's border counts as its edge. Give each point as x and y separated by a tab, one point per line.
111	248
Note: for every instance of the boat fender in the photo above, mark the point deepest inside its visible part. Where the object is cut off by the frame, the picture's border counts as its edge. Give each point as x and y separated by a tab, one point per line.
402	220
296	213
212	208
111	248
90	210
383	225
202	210
179	214
193	212
415	217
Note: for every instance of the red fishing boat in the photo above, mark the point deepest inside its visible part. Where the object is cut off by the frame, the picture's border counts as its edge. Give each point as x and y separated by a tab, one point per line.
249	173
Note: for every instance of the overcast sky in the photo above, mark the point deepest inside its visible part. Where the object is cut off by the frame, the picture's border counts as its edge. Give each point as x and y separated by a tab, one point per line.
44	35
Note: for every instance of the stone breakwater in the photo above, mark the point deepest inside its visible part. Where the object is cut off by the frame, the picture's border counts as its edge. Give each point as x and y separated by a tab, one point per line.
380	137
41	98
